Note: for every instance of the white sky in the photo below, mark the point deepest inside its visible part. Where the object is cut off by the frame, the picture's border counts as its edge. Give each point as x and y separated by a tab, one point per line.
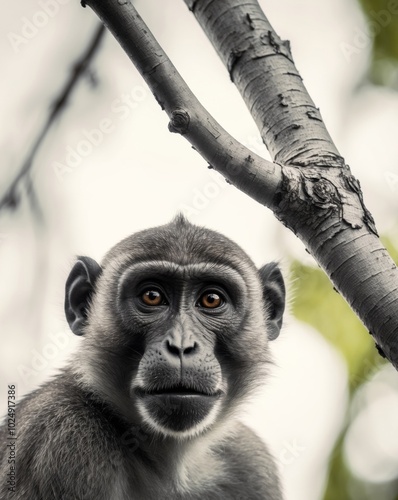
140	175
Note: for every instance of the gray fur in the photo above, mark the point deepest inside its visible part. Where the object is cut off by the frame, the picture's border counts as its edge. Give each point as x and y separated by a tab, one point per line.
93	433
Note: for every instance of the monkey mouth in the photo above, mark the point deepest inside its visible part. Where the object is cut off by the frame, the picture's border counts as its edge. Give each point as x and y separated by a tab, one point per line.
178	390
177	408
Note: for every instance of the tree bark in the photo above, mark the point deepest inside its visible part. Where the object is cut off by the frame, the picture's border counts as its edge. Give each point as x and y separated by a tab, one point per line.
309	187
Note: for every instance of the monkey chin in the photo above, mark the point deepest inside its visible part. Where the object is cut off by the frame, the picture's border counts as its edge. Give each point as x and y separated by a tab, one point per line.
178	415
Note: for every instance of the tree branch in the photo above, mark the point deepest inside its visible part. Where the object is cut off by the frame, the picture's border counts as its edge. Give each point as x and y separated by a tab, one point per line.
262	68
10	199
188	117
313	192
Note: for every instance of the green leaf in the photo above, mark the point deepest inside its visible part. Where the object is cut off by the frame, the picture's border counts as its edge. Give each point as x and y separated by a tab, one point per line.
318	304
382	30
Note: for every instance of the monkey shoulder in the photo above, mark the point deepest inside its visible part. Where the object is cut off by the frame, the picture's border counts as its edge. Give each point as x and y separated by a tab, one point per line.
63	431
237	467
250	470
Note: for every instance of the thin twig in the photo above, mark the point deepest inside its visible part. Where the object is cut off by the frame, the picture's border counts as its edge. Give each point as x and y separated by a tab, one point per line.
10	199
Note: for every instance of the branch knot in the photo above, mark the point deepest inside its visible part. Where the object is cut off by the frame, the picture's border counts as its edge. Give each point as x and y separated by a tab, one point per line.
179	122
324	191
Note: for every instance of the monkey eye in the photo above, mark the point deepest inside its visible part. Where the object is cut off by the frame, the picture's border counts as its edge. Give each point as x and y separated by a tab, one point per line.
153	297
210	300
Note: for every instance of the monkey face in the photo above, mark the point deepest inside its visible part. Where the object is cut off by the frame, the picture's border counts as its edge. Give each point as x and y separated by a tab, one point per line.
176	321
185	311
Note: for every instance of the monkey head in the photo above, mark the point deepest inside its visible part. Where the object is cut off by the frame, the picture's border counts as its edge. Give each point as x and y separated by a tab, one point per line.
177	321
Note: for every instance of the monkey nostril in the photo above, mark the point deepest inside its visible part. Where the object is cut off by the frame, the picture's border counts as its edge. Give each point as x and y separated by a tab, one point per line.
172	348
190	349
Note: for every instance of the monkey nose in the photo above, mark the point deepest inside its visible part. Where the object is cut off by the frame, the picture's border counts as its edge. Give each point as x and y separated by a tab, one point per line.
180	348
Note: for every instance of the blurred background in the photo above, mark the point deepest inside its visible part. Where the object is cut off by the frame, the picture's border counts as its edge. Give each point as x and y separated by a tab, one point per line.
107	166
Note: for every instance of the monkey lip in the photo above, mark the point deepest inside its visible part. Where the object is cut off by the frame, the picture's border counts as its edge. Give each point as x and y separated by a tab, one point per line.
179	391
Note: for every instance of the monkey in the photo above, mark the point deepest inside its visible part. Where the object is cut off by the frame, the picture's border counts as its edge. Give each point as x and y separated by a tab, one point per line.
175	323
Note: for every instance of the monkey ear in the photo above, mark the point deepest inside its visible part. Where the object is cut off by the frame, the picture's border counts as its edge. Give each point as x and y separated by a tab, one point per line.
274	293
78	290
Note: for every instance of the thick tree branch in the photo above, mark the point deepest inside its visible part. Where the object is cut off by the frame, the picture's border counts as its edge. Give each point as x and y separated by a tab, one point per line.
10	198
259	62
313	192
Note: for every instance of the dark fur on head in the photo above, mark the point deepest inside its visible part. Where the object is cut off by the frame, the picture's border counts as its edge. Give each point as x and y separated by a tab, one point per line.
180	242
